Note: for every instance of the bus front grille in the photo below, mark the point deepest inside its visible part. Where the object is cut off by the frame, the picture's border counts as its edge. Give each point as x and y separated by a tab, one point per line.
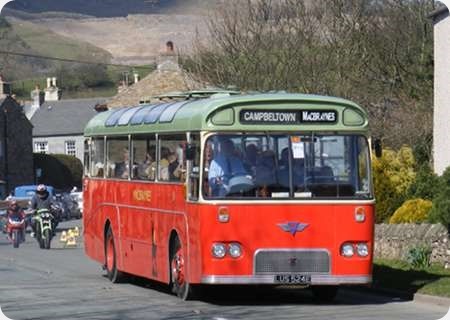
291	261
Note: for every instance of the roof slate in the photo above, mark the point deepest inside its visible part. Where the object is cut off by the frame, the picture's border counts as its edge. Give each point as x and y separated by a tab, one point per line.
64	117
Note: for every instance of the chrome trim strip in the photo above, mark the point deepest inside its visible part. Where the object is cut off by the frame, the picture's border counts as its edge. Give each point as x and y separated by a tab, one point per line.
316	279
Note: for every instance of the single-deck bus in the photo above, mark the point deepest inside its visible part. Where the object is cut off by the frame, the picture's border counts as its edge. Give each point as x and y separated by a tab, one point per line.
267	189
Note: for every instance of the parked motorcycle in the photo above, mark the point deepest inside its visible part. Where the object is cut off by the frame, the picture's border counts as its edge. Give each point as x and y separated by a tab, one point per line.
16	230
44	228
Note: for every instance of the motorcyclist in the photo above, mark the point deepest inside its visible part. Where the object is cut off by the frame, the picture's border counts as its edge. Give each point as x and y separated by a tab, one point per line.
41	200
15	213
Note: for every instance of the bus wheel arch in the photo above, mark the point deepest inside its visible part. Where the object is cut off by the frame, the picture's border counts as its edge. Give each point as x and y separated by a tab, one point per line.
178	282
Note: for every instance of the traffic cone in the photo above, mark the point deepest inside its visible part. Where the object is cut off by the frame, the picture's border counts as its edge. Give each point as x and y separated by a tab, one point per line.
63	237
71	241
76	232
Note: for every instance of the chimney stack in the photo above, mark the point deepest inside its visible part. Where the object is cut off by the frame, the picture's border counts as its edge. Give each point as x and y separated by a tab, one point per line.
52	93
168	60
37	97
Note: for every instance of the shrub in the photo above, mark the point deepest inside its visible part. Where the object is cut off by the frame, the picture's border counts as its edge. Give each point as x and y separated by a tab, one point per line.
393	174
419	257
441	202
426	185
412	211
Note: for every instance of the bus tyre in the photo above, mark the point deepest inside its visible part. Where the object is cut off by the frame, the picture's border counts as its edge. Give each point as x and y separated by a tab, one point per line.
180	286
110	259
324	293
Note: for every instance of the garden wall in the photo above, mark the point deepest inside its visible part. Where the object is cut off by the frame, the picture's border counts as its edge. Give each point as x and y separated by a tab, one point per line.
393	241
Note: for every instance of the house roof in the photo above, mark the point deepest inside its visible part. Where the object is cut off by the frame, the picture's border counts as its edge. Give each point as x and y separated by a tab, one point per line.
168	77
64	117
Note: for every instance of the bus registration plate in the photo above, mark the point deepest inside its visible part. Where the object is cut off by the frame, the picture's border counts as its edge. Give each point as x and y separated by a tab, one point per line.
292	279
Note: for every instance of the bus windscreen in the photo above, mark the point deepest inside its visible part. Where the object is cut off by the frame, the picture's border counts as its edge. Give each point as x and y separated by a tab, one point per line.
270	166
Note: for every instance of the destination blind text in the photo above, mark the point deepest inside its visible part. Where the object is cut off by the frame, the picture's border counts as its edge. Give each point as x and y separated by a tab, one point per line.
287	117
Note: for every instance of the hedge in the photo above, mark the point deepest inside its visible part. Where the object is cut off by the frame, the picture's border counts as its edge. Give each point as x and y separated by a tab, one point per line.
59	170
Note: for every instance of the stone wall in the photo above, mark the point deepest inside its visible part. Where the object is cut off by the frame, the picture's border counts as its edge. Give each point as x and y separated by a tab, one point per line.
393	241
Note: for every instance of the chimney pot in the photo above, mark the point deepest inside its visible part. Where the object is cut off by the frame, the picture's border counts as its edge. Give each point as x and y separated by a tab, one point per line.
169	47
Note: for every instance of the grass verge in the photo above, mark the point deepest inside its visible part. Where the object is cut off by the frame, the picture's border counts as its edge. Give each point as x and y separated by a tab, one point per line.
399	275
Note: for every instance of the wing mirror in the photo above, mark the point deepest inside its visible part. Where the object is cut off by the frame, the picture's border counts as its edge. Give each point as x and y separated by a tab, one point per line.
378	148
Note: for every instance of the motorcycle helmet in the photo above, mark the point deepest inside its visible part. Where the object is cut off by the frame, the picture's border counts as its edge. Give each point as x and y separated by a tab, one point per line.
41	190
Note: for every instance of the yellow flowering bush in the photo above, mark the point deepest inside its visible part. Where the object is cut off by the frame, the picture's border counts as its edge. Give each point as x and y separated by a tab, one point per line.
412	211
393	174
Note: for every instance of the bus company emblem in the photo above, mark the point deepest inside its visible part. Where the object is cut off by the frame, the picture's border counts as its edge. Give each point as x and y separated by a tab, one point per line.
293	227
142	195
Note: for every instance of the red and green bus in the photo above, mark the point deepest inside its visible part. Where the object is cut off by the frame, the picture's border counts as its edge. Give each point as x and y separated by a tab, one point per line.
266	189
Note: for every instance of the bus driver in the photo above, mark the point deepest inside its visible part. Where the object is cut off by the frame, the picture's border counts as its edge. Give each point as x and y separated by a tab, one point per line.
224	166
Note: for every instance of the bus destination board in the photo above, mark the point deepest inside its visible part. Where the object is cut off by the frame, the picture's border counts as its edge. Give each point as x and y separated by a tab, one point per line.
287	116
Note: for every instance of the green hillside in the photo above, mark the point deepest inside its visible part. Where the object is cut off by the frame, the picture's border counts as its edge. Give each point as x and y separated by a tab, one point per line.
45	42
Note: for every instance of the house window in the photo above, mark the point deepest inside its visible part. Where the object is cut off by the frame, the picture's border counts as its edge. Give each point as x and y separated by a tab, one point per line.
71	150
41	147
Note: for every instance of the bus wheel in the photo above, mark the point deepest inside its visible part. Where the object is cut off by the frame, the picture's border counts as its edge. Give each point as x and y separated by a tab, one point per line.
324	293
180	286
110	259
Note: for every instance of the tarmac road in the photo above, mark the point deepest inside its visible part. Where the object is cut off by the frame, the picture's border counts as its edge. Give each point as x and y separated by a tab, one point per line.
62	283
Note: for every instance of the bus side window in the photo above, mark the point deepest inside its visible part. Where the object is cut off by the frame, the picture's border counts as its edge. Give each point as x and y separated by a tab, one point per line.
144	158
97	162
208	155
118	158
172	160
194	169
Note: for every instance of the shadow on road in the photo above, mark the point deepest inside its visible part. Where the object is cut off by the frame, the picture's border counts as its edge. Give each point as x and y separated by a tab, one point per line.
257	295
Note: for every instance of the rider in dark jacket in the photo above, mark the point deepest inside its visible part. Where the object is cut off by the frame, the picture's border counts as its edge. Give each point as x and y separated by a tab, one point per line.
41	200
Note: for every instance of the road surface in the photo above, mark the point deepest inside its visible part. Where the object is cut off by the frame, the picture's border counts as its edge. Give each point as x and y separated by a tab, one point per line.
62	283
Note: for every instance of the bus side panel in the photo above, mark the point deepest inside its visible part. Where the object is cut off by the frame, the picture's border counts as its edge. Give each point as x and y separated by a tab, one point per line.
195	257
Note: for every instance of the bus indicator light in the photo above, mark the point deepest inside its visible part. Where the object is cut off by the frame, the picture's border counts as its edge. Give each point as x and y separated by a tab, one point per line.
360	214
223	215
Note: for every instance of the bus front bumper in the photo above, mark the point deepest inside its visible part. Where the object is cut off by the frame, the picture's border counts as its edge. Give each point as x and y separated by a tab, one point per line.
316	279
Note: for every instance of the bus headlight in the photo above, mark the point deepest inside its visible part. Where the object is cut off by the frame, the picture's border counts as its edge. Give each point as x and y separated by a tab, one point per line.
362	249
347	250
218	250
235	250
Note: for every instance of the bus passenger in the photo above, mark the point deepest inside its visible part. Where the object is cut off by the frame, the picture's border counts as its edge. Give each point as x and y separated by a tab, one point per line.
122	169
147	168
175	168
164	164
251	156
224	166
